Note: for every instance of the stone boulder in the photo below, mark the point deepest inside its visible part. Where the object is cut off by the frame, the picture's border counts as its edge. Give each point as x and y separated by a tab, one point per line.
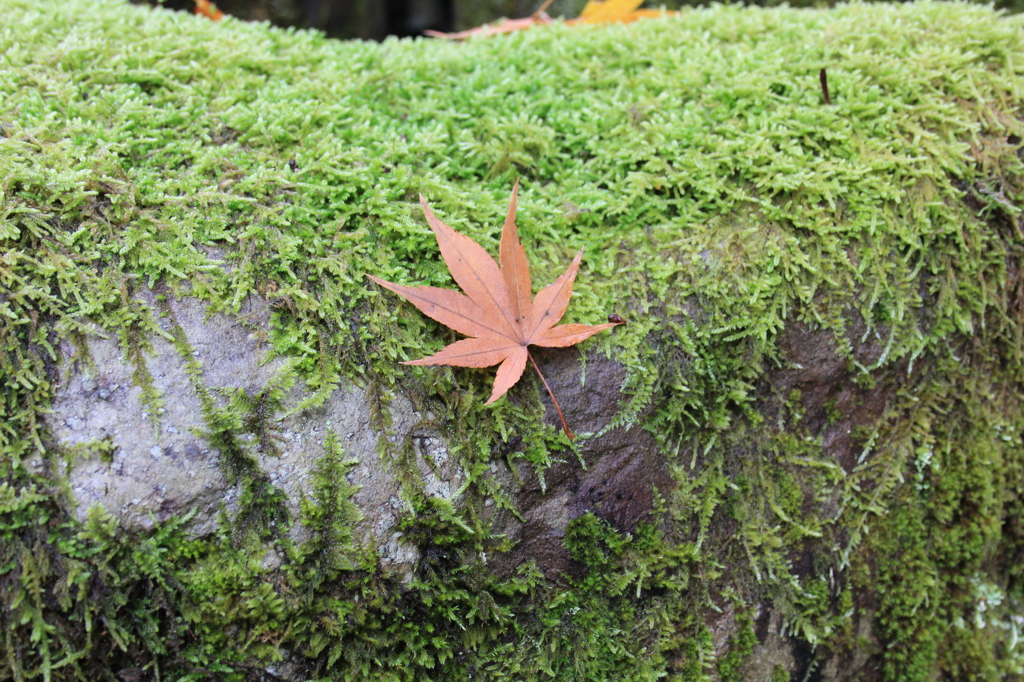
801	458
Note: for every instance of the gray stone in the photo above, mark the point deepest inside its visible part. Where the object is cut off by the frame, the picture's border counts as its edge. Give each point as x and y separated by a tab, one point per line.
164	466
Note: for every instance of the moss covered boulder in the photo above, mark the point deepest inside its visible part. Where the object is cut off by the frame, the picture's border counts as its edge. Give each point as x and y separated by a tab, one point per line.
801	458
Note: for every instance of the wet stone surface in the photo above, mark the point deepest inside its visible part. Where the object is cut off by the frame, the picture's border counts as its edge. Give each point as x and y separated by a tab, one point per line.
613	475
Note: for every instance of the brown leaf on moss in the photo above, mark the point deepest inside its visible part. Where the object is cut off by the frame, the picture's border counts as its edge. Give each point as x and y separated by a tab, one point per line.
497	311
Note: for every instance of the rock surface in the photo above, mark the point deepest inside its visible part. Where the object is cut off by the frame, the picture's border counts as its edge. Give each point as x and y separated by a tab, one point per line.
613	475
161	465
146	460
155	465
147	465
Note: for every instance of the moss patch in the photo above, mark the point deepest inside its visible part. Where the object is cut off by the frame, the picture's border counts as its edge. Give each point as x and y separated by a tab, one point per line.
720	202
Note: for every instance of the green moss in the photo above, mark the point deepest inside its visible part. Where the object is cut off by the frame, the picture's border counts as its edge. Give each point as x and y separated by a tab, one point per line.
939	554
740	647
636	581
331	514
719	201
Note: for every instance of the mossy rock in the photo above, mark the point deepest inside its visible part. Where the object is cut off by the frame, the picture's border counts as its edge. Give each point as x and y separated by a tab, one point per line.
824	351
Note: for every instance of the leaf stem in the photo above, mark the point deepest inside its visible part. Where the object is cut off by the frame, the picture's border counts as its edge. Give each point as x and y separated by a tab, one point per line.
537	13
558	408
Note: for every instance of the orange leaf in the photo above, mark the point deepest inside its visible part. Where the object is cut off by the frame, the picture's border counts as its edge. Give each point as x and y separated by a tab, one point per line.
497	310
615	11
608	10
209	10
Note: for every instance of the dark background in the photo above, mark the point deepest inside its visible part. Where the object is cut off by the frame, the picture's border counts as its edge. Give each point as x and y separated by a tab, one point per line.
377	19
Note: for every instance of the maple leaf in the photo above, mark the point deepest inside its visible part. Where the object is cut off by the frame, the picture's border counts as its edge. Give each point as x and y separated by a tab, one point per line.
497	311
595	12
